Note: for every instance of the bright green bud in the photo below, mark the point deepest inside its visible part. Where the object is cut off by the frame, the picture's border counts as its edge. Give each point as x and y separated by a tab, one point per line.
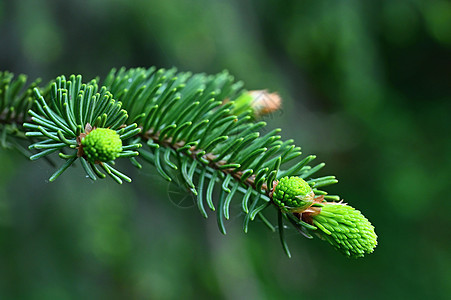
101	145
346	229
293	193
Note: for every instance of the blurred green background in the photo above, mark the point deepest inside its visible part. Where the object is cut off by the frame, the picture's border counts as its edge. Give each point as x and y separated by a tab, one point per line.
366	86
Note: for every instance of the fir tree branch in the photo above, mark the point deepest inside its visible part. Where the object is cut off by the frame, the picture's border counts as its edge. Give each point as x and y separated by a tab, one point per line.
199	128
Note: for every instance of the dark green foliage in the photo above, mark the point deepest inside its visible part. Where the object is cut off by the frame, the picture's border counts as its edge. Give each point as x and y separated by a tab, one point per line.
72	110
15	100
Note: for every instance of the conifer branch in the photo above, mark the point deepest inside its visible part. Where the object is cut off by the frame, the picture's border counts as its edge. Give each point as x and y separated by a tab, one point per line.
201	129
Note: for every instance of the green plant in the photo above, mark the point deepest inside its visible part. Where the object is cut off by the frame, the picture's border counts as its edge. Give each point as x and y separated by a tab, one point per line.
199	129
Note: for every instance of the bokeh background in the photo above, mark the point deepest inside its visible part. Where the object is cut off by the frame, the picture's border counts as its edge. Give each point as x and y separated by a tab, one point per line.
366	87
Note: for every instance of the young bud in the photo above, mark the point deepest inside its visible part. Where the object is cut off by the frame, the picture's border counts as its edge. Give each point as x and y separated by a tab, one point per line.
293	194
346	229
101	145
259	101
